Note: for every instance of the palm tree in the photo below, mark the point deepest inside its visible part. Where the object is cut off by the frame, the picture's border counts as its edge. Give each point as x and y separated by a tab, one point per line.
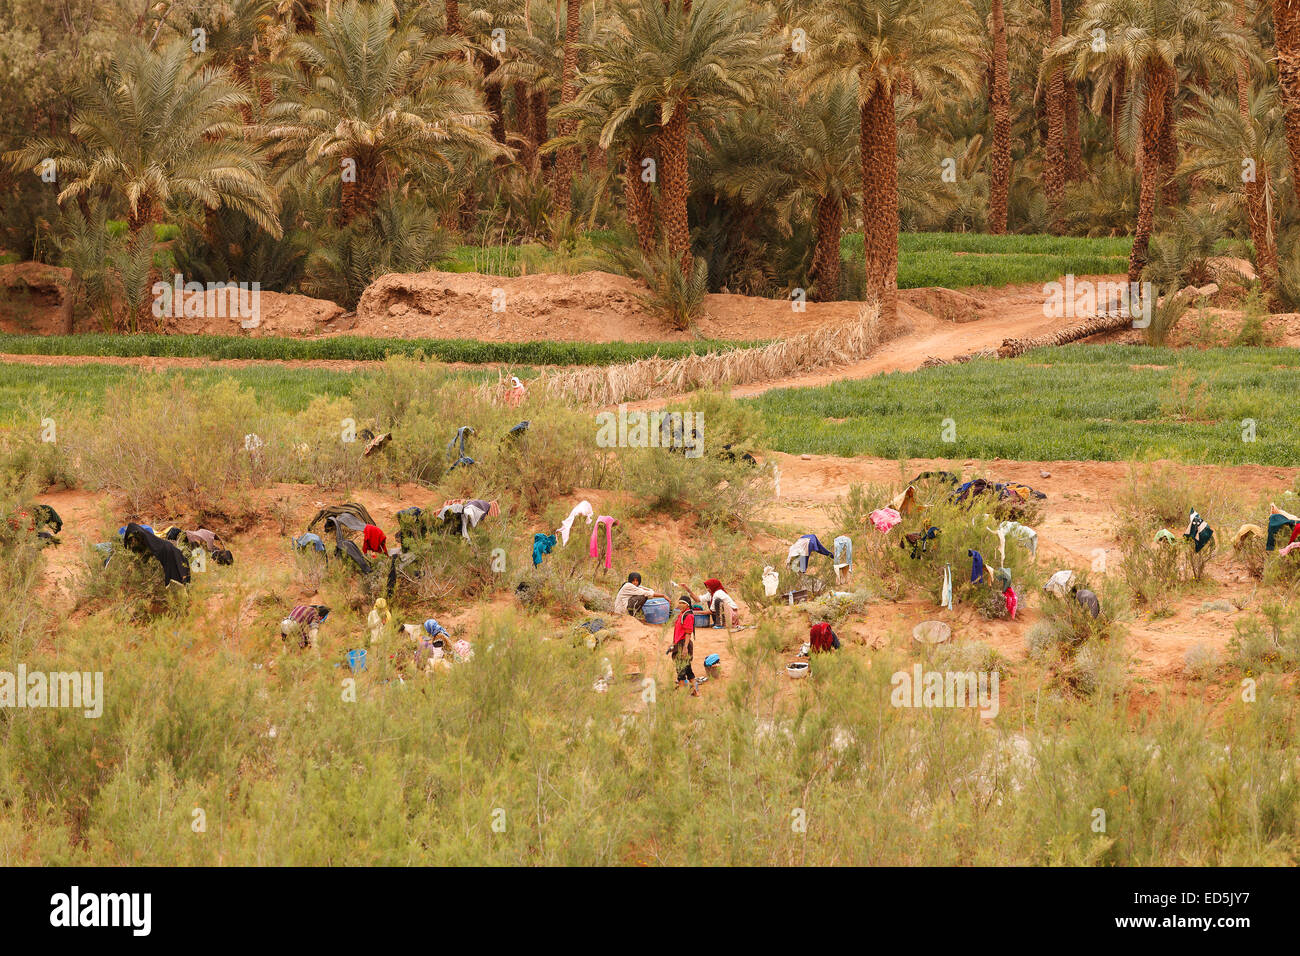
1286	32
566	162
485	18
1054	161
810	163
369	98
882	47
1150	39
1000	103
682	61
1219	138
236	41
159	129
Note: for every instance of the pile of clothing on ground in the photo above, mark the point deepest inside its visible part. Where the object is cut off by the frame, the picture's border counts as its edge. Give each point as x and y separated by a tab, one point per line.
40	520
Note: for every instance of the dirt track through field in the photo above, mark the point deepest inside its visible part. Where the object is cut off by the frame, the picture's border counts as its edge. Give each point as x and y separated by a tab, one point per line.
1014	311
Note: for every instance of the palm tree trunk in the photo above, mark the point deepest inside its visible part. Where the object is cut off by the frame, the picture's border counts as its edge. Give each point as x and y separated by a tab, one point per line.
675	186
567	160
1000	101
68	303
358	199
524	124
1263	234
1153	119
492	99
1286	29
541	107
140	223
452	15
639	198
879	147
1073	144
826	255
1168	152
1054	160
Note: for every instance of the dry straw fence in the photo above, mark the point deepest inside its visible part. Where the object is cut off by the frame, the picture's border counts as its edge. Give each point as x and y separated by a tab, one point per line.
657	377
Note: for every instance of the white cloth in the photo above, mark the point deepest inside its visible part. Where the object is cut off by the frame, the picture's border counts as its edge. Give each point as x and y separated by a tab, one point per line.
947	587
771	581
710	596
470	517
581	508
376	624
797	550
1022	533
1059	583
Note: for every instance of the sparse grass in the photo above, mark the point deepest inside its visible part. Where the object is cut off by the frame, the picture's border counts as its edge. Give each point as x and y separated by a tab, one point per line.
1106	403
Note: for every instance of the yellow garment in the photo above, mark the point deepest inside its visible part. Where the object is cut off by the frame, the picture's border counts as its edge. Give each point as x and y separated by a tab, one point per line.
905	502
1244	532
378	620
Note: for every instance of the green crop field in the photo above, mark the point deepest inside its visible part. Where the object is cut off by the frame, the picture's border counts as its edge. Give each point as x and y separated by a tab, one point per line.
355	348
1076	402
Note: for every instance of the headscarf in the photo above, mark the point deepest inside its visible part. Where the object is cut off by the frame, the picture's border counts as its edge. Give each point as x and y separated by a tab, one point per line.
713	585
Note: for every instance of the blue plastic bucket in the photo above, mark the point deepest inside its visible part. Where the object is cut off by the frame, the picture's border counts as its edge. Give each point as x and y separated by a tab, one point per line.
656	610
357	660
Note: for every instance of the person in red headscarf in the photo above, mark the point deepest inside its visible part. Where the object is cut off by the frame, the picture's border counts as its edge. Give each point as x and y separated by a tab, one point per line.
373	540
720	604
822	637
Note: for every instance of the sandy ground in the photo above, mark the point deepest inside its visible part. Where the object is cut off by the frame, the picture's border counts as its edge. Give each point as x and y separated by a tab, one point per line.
1078	520
587	307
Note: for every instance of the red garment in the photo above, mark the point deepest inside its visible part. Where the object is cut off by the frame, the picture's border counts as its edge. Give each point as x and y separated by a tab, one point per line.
713	584
1012	601
1295	533
821	637
373	540
684	626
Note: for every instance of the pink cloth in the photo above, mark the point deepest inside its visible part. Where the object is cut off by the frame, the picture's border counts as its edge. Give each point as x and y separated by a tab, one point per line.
1294	546
885	518
609	523
1012	602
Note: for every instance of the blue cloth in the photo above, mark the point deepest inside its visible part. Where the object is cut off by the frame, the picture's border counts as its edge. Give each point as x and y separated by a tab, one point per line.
456	448
815	546
542	544
976	567
309	540
434	629
122	530
1277	523
843	550
711	660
